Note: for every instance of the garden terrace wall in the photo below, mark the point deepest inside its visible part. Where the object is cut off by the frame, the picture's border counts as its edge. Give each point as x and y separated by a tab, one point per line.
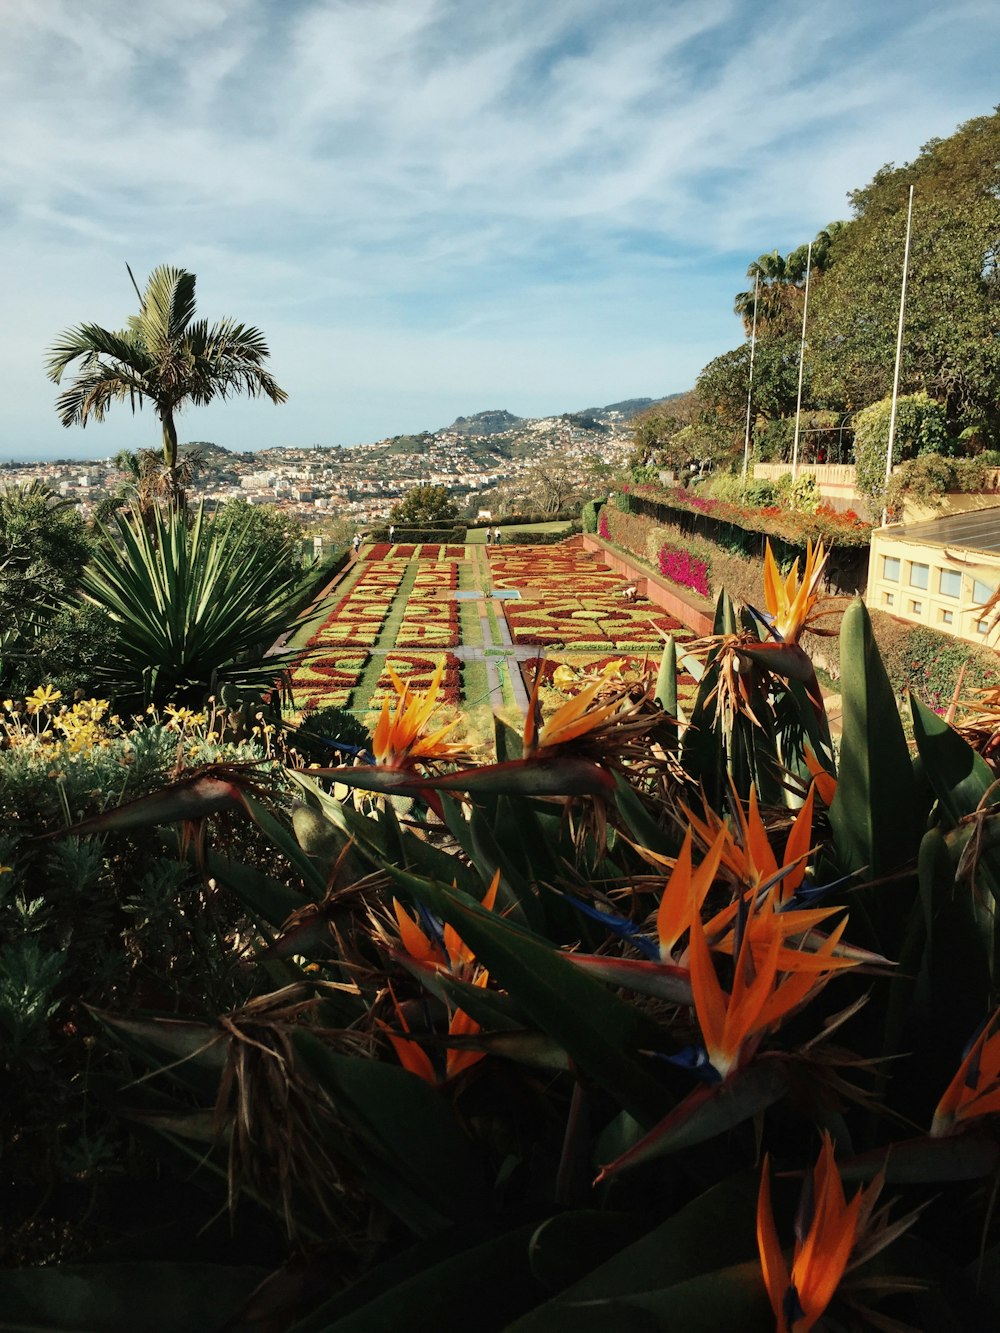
846	569
651	586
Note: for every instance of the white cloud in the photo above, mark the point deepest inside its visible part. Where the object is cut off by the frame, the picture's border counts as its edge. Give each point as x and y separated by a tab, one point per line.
479	196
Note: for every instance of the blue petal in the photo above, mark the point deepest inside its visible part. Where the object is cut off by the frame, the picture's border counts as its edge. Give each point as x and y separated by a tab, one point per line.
618	925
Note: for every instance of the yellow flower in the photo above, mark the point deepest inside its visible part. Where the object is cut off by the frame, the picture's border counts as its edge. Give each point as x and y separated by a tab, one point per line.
43	697
789	601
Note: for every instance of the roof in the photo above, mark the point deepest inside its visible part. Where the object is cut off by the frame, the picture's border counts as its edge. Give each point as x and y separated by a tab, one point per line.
977	530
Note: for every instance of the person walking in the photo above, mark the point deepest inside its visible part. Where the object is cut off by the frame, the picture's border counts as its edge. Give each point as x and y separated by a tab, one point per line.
392	533
356	544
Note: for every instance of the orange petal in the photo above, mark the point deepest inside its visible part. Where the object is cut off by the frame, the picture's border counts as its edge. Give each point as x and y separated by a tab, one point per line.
772	1260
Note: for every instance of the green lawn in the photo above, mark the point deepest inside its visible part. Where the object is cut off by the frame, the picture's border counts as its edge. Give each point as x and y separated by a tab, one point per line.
477	536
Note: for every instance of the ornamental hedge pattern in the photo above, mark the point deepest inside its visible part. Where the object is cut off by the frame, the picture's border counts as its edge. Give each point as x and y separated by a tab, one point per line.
326	680
418	669
568	600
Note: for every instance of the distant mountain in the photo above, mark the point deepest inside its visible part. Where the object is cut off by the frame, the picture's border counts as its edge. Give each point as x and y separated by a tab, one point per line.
627	408
207	448
494	422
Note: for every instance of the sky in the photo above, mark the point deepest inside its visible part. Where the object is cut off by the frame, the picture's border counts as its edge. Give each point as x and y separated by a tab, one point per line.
436	207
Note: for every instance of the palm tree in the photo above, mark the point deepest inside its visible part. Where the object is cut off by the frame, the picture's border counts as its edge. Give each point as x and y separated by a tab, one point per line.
781	280
164	357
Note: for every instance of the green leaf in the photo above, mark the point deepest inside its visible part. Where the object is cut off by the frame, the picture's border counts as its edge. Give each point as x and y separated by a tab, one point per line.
570	1245
708	1112
446	1296
600	1032
666	679
509	744
407	1122
876	816
640	823
268	899
960	777
925	1161
121	1298
703	1239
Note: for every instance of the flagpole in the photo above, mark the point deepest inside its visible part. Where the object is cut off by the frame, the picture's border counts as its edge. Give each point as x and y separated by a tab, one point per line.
753	348
802	364
899	352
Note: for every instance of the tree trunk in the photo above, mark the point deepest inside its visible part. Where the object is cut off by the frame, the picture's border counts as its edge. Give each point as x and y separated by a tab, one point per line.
176	497
169	438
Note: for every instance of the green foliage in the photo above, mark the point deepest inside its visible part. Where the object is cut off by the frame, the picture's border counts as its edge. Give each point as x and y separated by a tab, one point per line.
950	350
424	505
192	609
278	536
447	1041
654	437
722	388
926	479
164	357
317	733
43	549
920	429
118	920
589	515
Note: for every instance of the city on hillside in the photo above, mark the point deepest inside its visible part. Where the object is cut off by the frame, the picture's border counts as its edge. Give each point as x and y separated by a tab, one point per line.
493	463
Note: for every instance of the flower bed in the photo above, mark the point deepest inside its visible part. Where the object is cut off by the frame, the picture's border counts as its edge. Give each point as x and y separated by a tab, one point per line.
568	599
430	619
326	680
356	620
686	570
790	525
418	670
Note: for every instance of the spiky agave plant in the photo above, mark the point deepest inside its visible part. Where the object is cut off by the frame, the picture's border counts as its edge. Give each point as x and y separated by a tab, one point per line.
193	606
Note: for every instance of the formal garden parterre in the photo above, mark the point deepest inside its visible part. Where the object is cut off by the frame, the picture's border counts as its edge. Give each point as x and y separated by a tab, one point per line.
399	608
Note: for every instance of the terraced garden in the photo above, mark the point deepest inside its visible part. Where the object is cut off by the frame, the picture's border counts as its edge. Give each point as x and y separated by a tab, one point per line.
492	612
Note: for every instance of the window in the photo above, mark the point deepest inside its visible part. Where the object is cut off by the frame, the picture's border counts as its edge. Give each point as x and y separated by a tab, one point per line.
982	626
919	575
890	568
946	617
951	583
889	598
981	592
917	608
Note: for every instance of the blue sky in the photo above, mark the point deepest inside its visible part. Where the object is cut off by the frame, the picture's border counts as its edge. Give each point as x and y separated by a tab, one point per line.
432	207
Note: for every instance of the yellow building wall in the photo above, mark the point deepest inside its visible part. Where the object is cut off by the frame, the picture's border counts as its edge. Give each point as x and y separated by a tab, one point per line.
932	585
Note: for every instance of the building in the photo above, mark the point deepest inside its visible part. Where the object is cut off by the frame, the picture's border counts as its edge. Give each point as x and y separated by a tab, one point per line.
939	572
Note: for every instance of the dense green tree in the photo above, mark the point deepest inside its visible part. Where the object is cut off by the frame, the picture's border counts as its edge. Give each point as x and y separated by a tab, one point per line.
780	283
164	357
44	547
722	387
951	349
276	536
192	605
920	429
424	504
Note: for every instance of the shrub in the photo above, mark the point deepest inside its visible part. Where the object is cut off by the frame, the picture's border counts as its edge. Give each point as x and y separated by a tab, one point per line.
589	513
920	429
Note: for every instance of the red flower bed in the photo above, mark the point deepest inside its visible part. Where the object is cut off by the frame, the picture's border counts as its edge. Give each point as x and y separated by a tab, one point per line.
326	680
684	569
573	600
378	552
419	670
